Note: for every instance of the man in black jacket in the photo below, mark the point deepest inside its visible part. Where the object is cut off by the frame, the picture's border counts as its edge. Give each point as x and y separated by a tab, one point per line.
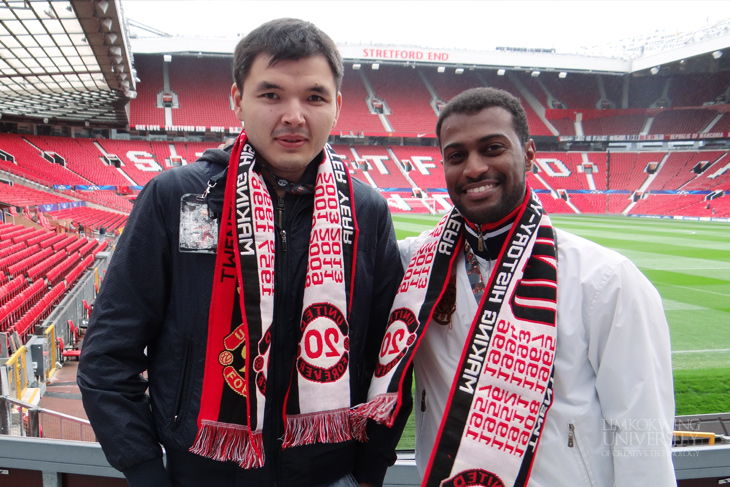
253	286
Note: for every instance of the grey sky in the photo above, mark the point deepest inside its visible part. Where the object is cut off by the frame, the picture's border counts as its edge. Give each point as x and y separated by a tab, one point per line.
471	24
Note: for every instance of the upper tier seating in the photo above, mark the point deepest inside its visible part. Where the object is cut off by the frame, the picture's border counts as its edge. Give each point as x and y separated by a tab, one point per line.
203	88
618	124
408	100
682	121
574	91
355	115
143	110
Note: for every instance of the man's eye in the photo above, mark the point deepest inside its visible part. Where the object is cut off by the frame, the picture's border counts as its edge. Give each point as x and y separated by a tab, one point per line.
494	149
270	96
454	158
316	98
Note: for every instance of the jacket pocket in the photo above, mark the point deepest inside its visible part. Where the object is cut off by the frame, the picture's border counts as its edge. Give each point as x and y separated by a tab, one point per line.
581	456
183	385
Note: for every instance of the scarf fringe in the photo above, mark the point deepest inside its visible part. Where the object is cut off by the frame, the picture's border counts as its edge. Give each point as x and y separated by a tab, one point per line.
381	409
320	427
229	442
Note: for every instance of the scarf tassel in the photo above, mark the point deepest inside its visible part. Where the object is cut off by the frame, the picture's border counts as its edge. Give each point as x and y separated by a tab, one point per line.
320	427
229	442
380	409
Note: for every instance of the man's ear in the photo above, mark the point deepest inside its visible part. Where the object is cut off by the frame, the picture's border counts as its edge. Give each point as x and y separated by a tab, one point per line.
530	153
339	107
236	96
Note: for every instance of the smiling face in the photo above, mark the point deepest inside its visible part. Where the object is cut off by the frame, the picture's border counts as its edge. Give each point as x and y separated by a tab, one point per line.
485	164
288	110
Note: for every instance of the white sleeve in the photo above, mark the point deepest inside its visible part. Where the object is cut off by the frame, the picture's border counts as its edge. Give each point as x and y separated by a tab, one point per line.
405	250
629	348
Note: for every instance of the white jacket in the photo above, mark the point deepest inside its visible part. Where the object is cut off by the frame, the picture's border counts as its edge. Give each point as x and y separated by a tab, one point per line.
612	415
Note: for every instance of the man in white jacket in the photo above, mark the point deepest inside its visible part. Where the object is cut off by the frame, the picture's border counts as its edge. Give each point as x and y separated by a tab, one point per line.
568	380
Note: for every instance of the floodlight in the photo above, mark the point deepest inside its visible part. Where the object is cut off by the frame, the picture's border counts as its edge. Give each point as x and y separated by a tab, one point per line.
562	75
103	6
535	74
107	23
459	70
167	58
441	69
654	70
500	72
111	38
356	66
376	66
717	54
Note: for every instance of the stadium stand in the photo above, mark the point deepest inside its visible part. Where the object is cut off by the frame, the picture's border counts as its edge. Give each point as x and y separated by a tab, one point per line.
29	163
407	98
613	122
687	121
574	91
203	91
145	109
82	158
423	165
629	170
448	84
715	176
22	196
356	117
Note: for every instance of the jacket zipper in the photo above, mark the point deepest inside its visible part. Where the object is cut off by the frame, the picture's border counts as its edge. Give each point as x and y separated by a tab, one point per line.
280	214
281	290
176	419
573	442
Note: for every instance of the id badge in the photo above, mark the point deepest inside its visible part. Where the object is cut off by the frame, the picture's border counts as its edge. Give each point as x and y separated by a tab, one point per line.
198	230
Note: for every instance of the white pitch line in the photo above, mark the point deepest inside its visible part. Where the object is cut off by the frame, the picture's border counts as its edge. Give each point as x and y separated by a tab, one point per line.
698	290
703	351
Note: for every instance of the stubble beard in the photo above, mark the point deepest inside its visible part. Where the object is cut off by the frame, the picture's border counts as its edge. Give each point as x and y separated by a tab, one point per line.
498	211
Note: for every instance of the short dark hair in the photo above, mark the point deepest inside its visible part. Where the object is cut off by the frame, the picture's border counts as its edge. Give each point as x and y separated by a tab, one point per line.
475	100
285	39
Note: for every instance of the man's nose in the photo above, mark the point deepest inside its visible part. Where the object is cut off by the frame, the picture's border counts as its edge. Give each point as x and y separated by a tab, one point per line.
293	114
475	165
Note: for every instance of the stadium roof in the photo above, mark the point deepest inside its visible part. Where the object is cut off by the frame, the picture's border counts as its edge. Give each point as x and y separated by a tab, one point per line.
64	61
691	51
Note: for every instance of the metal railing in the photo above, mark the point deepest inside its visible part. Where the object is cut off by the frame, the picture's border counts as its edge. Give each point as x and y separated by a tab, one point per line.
17	373
18	418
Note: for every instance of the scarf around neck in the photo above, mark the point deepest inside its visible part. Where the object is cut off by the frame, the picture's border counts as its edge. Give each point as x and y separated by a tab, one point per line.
318	404
503	384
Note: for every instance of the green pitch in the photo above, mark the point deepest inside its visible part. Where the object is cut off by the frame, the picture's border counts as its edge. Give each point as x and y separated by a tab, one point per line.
689	263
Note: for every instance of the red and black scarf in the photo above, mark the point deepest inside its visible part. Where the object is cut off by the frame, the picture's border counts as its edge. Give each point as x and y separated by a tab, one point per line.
503	384
318	405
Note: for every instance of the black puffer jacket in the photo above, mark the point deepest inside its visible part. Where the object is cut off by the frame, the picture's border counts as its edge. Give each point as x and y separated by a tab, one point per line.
157	298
